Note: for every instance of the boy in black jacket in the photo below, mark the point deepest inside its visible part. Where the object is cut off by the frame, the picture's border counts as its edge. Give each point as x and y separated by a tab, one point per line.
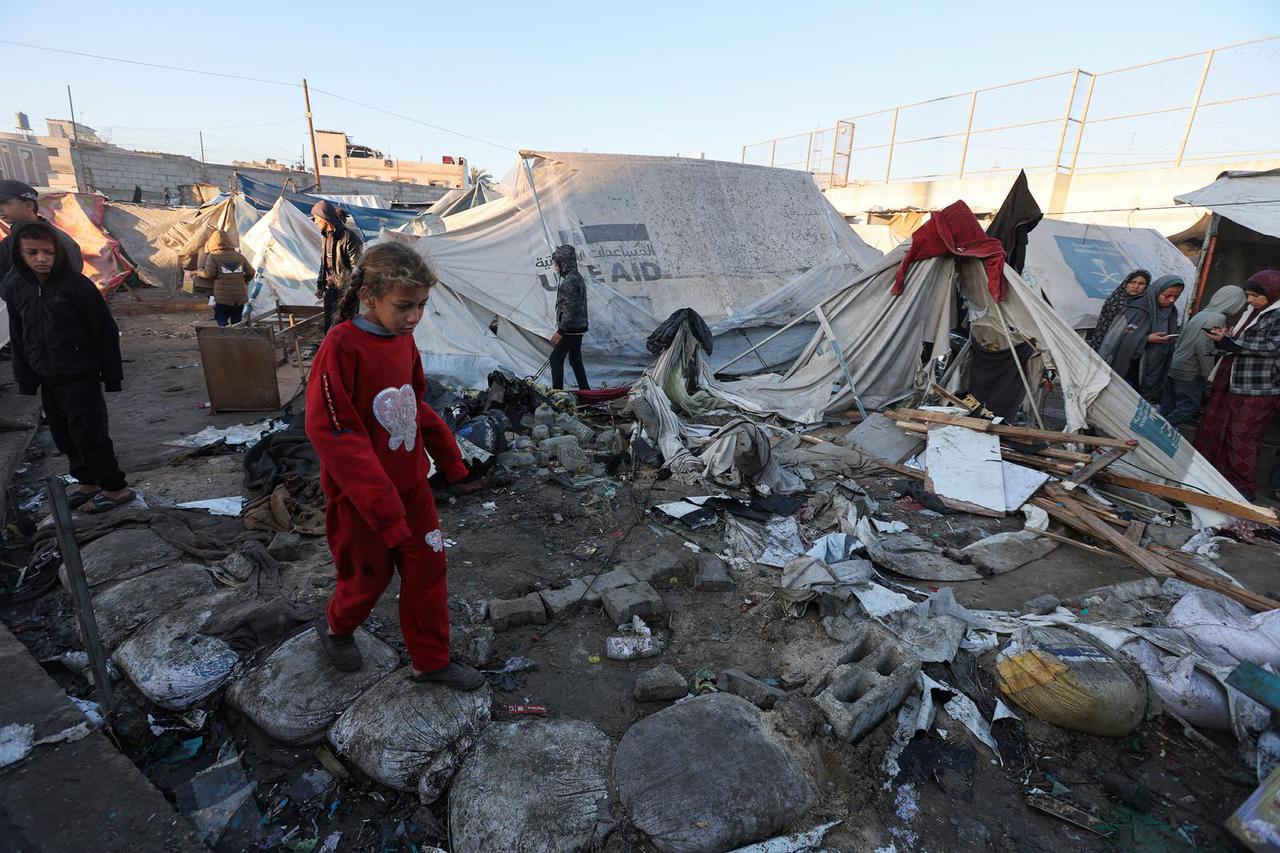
65	342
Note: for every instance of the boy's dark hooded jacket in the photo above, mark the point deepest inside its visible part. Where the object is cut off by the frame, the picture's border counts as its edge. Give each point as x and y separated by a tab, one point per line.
571	296
60	330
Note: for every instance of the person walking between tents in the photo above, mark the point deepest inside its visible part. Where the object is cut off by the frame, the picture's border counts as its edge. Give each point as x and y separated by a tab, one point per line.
342	248
571	319
19	203
1133	286
1246	386
1193	357
1139	344
230	274
65	343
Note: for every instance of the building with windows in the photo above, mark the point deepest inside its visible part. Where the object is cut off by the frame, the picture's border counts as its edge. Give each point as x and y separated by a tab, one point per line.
23	157
341	158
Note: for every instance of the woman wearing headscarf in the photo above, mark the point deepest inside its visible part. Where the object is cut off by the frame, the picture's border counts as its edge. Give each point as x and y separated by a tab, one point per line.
1133	286
1139	344
230	274
1193	357
1246	386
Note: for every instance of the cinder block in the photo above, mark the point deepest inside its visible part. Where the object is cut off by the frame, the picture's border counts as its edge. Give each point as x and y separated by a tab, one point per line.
600	584
660	564
755	691
639	599
660	684
712	574
563	602
513	612
872	677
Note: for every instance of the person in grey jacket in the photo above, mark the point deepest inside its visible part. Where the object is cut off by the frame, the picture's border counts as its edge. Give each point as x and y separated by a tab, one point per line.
571	319
1193	357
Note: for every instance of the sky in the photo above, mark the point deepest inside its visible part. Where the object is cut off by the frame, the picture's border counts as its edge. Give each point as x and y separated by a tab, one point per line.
643	78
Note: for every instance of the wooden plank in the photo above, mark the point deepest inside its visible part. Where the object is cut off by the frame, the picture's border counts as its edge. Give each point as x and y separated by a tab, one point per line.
1084	472
1011	431
1067	540
947	395
1134	532
1194	498
1069	455
1099	529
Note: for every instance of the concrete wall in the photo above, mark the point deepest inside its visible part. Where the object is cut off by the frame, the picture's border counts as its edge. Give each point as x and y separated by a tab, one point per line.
1139	198
115	172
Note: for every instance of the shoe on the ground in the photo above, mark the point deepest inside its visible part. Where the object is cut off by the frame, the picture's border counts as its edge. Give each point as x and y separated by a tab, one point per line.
340	649
459	676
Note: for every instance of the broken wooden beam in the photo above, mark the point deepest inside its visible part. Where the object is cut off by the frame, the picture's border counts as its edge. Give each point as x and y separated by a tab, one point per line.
1082	473
1029	433
1193	498
1100	530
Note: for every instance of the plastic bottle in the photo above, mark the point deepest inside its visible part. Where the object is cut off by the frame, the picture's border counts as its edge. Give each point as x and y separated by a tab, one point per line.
544	415
575	427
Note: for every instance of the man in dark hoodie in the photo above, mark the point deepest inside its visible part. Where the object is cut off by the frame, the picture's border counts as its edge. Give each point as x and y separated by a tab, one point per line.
18	204
571	319
65	343
342	248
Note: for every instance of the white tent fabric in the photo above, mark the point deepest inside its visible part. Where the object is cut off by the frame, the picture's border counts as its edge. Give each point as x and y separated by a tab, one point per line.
882	335
1079	265
1251	199
742	245
284	248
355	199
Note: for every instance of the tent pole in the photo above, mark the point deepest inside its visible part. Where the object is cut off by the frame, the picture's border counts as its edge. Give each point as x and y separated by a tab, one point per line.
844	365
800	318
1022	374
546	231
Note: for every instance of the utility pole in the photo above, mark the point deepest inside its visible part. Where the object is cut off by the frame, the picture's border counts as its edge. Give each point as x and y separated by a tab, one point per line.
201	132
311	128
75	134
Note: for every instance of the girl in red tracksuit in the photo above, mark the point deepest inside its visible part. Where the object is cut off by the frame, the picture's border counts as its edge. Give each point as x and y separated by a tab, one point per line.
372	432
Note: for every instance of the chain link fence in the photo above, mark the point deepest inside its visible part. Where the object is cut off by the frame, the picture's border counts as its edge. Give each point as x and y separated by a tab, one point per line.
1218	106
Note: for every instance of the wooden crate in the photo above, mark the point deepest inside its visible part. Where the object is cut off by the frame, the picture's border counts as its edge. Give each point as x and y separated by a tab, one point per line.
239	366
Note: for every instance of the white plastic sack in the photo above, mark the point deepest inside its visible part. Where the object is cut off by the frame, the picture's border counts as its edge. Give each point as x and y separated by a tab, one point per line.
1216	622
171	663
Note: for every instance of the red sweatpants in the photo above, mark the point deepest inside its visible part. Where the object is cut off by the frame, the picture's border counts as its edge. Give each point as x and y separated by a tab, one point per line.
365	564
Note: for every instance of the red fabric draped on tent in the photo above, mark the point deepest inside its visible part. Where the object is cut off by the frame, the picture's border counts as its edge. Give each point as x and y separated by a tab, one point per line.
954	230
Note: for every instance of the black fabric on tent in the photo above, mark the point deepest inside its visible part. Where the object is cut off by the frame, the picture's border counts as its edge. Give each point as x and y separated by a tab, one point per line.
1018	214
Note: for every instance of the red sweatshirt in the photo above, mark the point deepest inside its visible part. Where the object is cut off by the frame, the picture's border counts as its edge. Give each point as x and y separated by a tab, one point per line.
367	421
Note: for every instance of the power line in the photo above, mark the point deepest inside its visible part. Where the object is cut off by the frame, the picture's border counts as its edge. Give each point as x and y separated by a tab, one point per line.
203	72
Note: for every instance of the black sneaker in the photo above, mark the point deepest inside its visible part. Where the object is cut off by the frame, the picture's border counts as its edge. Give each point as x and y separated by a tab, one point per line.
459	676
341	649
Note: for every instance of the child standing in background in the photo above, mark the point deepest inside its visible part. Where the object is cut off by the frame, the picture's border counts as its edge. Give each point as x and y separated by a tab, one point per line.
370	429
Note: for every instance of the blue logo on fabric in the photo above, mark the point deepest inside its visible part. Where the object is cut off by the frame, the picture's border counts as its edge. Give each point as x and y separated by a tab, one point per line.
1148	424
1098	266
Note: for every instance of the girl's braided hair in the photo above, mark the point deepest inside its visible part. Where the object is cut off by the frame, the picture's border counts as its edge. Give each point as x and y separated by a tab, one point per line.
381	269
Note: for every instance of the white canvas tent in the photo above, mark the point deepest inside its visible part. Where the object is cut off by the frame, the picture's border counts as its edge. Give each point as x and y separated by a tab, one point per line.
745	246
882	336
1251	199
1079	265
284	248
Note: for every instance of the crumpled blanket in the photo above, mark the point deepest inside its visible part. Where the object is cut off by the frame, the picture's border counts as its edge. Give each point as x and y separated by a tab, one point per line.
257	617
276	455
295	505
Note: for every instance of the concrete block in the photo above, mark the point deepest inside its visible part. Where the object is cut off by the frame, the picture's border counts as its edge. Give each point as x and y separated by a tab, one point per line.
513	612
639	599
712	575
563	602
600	584
872	677
880	438
661	564
663	683
286	547
756	692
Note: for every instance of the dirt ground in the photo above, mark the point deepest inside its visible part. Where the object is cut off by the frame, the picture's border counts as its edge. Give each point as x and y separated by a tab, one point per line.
953	792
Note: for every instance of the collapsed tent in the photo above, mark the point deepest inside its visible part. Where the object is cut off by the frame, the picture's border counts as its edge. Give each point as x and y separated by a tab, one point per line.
465	198
170	240
745	246
885	346
1242	235
370	220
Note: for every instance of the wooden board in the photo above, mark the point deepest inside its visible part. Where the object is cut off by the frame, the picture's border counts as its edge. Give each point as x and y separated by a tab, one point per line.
1004	429
239	367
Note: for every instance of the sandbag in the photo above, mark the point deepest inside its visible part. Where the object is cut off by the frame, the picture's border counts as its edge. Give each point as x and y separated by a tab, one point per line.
1216	622
120	555
408	735
535	785
122	609
1194	695
296	693
704	776
1072	681
171	662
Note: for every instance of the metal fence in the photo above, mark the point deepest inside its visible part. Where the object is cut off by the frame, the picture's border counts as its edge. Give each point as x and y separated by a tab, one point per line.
1217	106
